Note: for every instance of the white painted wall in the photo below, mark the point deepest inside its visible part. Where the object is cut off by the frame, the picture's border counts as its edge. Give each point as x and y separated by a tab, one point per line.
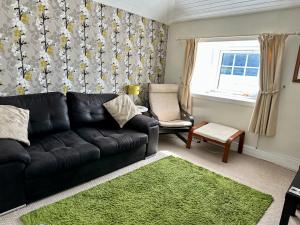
152	9
284	148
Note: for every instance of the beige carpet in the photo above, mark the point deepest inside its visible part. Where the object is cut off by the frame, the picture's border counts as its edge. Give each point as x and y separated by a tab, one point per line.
259	174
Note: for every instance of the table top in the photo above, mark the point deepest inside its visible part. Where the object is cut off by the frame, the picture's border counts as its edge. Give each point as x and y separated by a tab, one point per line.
295	183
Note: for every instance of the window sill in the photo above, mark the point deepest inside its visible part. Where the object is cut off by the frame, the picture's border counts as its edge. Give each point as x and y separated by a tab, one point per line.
237	100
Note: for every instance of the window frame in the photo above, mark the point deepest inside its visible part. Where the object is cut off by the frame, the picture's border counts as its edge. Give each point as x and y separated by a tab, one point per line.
213	93
235	52
218	74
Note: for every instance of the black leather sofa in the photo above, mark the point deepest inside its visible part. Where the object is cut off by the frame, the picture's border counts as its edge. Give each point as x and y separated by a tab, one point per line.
73	140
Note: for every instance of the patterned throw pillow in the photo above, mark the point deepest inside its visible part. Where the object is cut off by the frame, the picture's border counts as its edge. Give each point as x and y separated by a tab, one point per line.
122	109
14	123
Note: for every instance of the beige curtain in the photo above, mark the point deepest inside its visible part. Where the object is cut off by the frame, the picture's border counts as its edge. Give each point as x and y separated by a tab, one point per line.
264	118
189	64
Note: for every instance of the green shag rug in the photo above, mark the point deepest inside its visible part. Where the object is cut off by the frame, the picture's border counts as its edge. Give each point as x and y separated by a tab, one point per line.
168	191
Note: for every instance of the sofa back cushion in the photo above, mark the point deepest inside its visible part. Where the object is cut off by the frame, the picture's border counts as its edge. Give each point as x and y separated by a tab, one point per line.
87	110
48	112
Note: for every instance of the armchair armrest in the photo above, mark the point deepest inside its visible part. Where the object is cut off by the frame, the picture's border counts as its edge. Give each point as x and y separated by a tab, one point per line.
12	151
149	126
186	116
153	115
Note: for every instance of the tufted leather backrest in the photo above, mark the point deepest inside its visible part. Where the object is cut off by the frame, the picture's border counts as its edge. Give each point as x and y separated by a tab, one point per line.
48	111
86	110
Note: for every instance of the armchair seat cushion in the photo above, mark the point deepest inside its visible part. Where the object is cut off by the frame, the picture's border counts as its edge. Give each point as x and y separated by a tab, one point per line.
59	152
113	141
175	123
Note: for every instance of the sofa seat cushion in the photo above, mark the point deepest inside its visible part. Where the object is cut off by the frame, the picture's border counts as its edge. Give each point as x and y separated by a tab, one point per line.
59	152
113	141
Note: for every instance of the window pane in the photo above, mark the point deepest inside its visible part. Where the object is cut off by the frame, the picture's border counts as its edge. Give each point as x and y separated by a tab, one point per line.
251	72
253	60
227	59
226	70
238	71
240	59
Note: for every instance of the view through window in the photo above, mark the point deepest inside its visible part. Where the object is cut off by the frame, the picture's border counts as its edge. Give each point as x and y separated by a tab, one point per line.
227	68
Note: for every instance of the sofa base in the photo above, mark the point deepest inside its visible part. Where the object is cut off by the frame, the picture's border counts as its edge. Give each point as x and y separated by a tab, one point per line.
12	210
42	187
12	193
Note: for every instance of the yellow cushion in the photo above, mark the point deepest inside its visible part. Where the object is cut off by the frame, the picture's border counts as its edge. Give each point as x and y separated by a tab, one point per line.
216	132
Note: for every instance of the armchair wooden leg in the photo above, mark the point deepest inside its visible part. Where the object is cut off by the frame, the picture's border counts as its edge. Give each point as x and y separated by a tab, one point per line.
189	141
181	137
241	143
226	152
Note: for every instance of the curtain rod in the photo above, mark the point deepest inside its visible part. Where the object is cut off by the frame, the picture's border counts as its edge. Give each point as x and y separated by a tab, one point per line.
233	36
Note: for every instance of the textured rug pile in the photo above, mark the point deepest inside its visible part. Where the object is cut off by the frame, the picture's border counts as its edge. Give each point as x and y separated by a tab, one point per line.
168	191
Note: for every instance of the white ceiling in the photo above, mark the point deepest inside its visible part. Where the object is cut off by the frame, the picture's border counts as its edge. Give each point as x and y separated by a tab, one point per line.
171	11
199	9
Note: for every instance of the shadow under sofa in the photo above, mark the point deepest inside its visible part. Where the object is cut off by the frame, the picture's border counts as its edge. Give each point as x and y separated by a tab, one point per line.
73	140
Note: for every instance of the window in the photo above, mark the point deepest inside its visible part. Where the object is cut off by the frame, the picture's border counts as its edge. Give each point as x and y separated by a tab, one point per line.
229	69
239	64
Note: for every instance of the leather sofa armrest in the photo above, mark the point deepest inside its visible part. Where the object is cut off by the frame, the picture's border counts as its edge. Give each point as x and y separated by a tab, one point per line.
13	160
12	190
149	126
12	151
142	123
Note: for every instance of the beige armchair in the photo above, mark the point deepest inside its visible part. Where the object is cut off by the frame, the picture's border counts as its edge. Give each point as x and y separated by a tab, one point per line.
164	106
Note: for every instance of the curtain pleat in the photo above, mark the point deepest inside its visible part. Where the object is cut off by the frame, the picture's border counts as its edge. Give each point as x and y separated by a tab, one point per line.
264	117
189	64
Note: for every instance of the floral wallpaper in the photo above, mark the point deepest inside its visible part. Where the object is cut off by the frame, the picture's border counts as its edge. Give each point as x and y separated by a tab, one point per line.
77	45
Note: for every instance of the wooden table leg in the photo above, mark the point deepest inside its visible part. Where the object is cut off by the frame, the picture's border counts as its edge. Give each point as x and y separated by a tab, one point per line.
294	210
190	138
288	210
226	152
241	143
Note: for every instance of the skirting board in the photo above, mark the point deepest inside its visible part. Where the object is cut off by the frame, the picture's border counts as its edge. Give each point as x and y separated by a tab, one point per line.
12	210
279	159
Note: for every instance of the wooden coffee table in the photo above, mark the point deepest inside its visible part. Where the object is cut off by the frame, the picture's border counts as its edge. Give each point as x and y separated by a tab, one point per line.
292	199
218	134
